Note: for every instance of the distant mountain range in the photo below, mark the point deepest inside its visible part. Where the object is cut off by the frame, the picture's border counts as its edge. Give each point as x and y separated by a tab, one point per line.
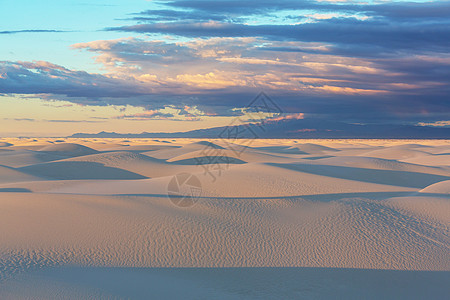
294	129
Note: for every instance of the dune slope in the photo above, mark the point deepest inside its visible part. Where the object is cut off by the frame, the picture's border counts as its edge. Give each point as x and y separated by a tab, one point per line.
292	219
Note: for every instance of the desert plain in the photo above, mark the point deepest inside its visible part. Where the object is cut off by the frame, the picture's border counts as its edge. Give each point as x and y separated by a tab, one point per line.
222	219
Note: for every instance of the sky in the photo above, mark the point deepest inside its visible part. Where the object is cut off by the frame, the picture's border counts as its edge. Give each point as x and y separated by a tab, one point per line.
132	66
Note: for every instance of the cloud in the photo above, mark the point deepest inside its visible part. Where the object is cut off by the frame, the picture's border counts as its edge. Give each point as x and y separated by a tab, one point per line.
209	80
21	119
359	62
148	115
31	31
218	74
53	121
405	11
337	31
73	121
387	24
305	130
42	77
296	116
185	114
174	15
435	124
218	63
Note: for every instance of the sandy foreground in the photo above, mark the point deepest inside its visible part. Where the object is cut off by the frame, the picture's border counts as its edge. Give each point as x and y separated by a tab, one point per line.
216	219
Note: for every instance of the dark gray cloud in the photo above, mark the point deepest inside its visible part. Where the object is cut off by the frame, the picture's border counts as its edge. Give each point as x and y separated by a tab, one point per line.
175	15
31	31
21	119
399	10
391	27
337	31
379	28
47	78
410	11
237	10
237	7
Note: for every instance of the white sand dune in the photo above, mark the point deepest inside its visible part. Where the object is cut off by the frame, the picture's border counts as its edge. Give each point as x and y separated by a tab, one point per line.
137	148
70	170
291	219
442	149
379	176
249	180
314	148
171	152
380	164
433	208
230	156
21	158
431	160
144	165
151	231
394	153
68	149
8	174
442	187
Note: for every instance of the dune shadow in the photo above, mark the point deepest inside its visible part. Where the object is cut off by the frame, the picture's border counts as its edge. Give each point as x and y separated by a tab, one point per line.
281	149
387	177
208	144
208	160
79	170
317	197
14	190
246	282
318	157
139	150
